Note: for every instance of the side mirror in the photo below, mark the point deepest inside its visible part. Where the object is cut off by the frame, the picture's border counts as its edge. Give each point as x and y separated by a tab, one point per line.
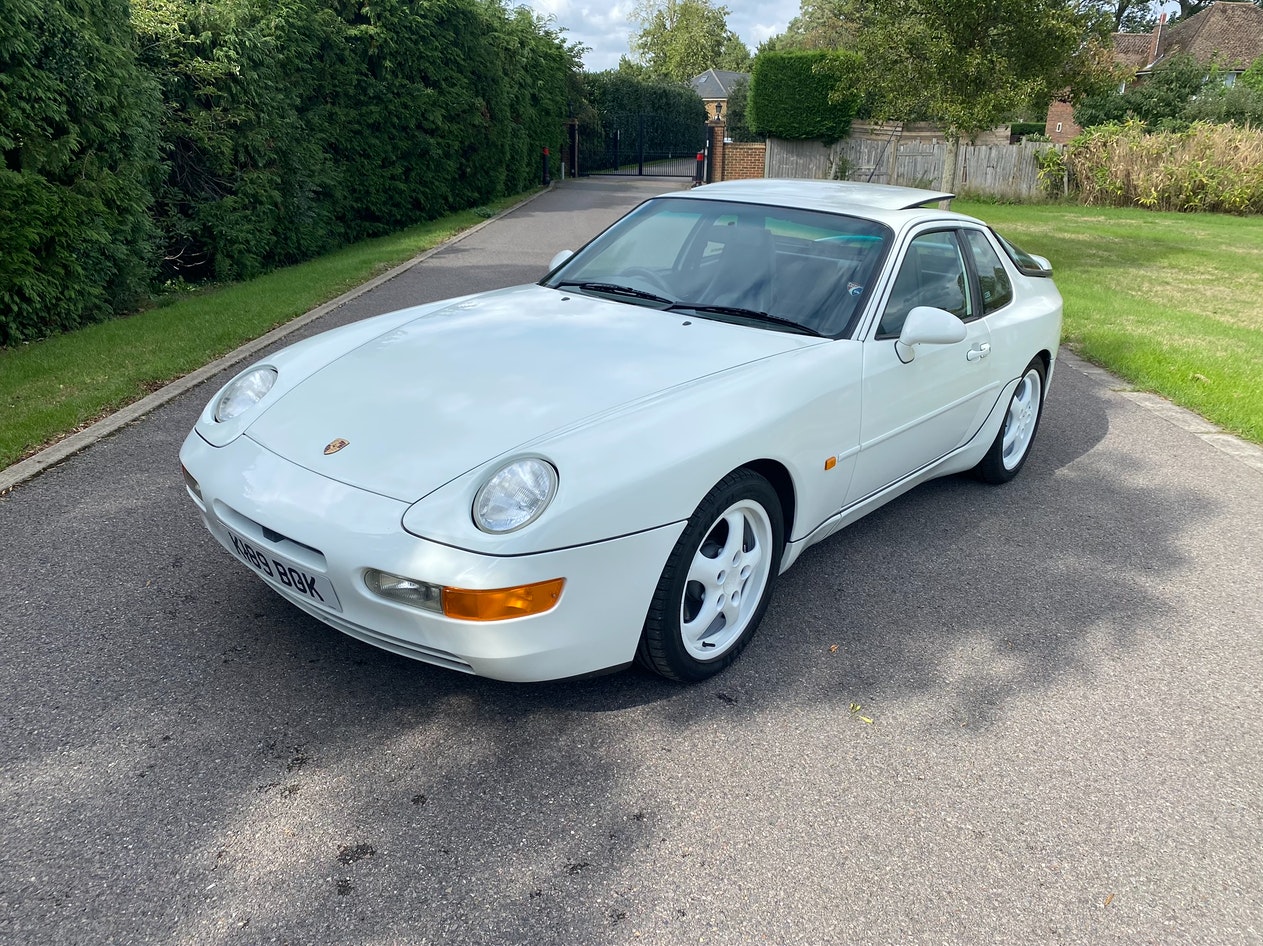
926	325
1043	264
559	259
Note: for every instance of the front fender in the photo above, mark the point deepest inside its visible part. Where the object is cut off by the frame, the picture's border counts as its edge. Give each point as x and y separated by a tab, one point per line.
648	464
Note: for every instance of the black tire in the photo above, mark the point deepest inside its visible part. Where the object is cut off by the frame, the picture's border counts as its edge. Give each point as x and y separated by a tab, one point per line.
698	607
1021	421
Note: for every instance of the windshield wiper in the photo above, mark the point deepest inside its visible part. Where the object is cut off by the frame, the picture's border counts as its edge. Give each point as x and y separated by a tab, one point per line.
615	290
753	314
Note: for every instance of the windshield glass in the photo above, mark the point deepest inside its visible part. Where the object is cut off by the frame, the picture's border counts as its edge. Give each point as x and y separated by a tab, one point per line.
734	261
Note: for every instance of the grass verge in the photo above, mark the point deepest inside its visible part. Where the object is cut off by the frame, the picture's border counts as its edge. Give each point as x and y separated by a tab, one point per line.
1172	303
55	386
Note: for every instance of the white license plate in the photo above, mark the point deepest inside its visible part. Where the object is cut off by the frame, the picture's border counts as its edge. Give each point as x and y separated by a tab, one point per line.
281	571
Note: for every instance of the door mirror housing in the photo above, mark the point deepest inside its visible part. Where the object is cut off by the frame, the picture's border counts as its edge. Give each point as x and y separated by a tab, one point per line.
926	325
560	258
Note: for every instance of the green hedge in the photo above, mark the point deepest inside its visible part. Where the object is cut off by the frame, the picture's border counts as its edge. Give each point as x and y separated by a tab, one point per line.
297	125
78	132
795	95
219	139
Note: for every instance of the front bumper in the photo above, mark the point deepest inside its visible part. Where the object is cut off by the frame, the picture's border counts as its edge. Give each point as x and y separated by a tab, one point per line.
337	531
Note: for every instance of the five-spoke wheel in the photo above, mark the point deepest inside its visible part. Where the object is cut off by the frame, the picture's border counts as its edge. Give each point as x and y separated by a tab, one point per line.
1012	444
717	580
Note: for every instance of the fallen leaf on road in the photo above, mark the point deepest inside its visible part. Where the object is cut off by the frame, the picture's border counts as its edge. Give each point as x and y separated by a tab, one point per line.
1108	900
833	649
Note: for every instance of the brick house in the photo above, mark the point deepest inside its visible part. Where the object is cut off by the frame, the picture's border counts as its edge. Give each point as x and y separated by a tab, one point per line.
1226	34
713	86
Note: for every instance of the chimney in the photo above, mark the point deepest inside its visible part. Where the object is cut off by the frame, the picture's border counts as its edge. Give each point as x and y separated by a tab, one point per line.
1157	39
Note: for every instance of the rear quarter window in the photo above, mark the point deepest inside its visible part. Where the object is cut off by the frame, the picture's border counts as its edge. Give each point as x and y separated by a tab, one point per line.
993	278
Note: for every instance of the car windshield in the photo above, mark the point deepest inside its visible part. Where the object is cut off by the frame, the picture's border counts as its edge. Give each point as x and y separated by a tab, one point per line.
786	269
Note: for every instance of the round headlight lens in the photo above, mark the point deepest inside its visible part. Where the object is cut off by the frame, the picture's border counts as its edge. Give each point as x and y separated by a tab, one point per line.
244	392
515	495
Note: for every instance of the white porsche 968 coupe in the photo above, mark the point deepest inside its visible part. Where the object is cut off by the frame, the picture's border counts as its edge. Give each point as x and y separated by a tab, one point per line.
615	464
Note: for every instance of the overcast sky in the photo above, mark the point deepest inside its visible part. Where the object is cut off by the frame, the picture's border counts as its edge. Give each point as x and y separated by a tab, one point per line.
604	26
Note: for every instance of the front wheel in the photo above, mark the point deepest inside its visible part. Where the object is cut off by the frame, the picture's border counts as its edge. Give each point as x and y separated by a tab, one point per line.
717	581
1012	444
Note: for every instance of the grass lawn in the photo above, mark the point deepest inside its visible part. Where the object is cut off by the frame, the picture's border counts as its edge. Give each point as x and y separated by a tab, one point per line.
53	387
1171	302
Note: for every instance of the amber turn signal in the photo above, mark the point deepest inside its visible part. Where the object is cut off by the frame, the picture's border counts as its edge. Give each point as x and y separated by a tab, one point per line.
500	604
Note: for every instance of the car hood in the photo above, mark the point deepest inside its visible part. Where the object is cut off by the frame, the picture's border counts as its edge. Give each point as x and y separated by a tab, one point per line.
437	396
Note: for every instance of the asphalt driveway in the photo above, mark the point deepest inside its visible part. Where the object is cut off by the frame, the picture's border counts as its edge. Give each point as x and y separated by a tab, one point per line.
1027	714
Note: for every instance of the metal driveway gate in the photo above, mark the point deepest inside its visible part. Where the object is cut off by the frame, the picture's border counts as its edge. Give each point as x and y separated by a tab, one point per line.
640	144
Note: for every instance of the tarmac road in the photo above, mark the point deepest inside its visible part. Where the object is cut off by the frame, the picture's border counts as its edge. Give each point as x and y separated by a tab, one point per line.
1063	678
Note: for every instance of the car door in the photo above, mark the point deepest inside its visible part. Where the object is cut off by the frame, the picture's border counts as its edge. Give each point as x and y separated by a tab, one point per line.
917	411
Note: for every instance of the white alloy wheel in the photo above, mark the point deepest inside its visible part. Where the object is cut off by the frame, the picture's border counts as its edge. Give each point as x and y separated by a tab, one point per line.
717	581
1019	424
1012	445
726	580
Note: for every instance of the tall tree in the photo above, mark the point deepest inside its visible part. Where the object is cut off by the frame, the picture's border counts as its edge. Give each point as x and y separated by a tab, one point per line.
680	39
973	65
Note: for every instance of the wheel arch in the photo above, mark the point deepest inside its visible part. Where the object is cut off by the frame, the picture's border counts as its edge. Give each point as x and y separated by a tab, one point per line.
777	474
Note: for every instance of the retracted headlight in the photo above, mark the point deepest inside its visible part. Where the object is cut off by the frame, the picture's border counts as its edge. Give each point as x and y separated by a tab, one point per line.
243	392
515	495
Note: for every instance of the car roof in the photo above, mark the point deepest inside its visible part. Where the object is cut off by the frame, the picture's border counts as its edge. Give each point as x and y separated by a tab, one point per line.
892	205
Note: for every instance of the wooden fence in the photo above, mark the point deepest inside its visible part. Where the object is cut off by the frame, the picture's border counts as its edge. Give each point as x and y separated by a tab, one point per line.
1001	170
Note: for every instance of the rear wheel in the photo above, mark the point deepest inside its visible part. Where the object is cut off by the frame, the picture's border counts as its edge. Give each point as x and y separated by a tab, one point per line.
1012	444
717	581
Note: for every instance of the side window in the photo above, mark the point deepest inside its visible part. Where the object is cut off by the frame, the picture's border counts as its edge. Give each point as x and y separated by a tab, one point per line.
997	288
932	273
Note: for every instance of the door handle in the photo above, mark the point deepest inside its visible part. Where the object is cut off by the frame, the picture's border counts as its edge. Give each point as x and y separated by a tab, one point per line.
979	353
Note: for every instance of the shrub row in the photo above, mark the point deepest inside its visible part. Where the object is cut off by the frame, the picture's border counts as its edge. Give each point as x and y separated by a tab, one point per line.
795	95
247	134
1206	168
78	135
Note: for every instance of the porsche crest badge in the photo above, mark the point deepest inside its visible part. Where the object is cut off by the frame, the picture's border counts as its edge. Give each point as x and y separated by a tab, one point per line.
333	446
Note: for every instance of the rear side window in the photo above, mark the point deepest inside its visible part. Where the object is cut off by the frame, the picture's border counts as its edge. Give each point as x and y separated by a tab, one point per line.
1024	262
997	289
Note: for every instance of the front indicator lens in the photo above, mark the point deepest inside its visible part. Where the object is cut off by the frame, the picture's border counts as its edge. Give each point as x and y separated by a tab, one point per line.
500	604
464	604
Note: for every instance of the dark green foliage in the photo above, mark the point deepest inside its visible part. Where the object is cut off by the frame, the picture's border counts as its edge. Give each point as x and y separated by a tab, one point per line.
1157	101
1252	78
253	133
293	126
738	128
625	101
77	132
1027	128
803	95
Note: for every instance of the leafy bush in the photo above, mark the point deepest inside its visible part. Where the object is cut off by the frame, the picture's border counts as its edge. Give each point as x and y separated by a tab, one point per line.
1205	168
78	136
1159	100
738	127
293	126
1027	129
794	94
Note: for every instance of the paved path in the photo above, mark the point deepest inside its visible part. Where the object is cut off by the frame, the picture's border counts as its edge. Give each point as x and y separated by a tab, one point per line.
1065	679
